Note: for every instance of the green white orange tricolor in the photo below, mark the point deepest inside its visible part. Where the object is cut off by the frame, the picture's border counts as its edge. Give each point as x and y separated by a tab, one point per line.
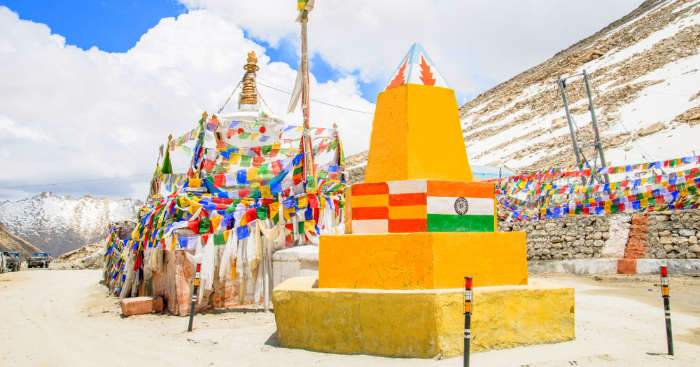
422	206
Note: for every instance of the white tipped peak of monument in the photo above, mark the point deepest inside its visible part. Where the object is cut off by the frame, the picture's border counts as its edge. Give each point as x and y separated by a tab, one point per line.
416	68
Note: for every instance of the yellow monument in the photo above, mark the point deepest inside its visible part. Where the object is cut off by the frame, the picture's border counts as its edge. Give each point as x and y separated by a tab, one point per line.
415	228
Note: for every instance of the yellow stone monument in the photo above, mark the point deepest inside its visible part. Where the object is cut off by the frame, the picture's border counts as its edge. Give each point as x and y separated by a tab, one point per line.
415	228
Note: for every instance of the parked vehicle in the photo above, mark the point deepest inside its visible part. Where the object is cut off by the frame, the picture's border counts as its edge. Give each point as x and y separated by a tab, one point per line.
39	260
12	261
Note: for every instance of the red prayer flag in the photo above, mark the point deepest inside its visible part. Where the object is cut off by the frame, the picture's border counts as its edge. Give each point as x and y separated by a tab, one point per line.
193	225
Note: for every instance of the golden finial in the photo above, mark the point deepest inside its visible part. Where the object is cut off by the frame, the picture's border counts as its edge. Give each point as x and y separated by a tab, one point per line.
249	94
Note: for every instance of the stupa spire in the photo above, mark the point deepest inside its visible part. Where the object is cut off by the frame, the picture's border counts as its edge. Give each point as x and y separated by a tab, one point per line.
249	94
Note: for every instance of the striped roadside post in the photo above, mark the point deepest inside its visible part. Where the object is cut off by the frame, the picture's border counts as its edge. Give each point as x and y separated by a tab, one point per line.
667	308
467	317
194	294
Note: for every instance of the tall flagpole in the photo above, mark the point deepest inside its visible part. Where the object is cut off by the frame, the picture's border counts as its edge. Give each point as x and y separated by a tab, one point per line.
306	138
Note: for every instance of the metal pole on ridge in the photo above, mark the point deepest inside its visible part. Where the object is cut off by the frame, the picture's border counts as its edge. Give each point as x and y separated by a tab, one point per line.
667	308
467	317
594	122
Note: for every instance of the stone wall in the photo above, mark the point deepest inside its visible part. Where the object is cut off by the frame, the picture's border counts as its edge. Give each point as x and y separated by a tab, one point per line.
658	235
577	237
673	235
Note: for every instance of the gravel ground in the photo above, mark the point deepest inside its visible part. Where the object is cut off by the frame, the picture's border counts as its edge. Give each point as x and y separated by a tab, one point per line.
64	318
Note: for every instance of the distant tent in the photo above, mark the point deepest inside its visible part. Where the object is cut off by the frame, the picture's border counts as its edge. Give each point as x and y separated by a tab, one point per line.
482	173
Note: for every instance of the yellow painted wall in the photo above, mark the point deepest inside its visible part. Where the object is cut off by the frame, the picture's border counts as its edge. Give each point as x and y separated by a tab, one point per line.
386	160
431	260
416	134
418	323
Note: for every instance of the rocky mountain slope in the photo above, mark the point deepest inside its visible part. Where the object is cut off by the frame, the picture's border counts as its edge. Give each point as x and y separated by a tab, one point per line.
11	242
646	87
644	70
59	224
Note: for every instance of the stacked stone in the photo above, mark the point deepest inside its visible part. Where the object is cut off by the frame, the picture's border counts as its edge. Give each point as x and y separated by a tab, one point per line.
673	235
656	235
579	237
639	229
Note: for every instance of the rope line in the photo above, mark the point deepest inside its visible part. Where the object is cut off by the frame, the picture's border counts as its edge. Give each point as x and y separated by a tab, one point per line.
316	100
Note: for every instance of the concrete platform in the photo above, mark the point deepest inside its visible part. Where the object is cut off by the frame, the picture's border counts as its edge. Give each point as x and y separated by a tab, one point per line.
419	323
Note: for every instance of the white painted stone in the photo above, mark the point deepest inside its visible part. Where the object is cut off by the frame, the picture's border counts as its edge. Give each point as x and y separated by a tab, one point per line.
294	262
578	266
370	226
619	233
675	266
407	187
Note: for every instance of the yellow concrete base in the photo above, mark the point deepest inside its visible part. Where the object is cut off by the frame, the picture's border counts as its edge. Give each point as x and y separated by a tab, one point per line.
419	323
424	260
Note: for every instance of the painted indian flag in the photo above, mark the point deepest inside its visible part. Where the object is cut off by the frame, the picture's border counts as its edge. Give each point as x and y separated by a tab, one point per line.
421	206
461	206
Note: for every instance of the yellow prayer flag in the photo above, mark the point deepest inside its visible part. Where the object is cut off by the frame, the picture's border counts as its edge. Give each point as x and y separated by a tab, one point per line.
195	182
252	174
274	209
194	207
215	220
265	192
310	226
235	158
303	202
288	213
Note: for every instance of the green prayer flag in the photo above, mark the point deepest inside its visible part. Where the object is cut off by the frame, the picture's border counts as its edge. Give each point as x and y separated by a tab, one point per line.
167	166
262	212
219	239
204	225
245	160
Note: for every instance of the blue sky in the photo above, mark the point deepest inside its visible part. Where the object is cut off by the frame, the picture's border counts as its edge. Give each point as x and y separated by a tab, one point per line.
133	100
116	26
113	26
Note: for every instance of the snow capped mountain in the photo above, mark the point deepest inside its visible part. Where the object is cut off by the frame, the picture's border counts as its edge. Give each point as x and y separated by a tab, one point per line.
645	79
58	224
645	74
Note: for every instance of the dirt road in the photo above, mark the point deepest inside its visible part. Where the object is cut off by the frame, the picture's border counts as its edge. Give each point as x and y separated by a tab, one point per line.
64	318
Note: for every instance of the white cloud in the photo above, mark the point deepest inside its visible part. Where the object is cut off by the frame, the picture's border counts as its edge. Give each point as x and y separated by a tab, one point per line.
70	115
473	43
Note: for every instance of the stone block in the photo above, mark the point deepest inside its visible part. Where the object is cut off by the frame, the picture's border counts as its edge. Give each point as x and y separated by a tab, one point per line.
158	304
627	266
136	306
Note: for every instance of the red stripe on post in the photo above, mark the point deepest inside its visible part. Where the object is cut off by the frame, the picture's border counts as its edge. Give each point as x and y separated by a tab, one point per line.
408	199
370	188
199	267
408	225
370	213
664	271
